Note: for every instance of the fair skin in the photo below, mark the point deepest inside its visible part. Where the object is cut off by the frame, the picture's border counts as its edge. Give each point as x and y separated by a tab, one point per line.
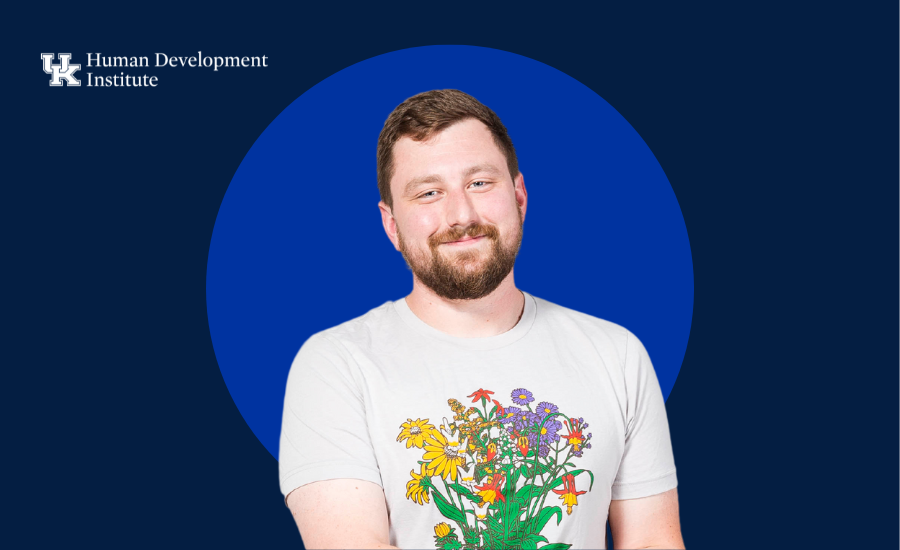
457	178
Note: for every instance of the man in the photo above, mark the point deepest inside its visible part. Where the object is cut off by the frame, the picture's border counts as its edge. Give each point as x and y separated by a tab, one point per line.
471	414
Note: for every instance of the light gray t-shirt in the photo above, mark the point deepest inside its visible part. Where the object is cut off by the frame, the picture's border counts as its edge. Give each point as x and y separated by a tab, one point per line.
452	428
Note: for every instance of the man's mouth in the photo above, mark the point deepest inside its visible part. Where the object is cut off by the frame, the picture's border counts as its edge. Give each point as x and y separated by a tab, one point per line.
466	240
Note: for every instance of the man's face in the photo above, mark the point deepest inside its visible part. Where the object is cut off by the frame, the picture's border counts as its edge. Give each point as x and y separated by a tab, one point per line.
458	213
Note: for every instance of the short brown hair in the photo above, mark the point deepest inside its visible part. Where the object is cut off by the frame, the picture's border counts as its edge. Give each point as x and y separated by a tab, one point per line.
426	114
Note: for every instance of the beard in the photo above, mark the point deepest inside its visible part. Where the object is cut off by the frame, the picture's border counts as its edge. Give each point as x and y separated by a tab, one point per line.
462	276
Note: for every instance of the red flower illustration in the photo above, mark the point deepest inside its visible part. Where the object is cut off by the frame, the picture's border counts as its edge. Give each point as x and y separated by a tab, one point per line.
481	394
491	451
490	491
575	437
568	493
522	444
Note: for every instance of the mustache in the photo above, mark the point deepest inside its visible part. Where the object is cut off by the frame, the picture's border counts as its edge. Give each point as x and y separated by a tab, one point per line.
457	233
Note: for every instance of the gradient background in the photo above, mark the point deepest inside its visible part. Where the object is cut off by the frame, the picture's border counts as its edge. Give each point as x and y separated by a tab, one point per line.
776	125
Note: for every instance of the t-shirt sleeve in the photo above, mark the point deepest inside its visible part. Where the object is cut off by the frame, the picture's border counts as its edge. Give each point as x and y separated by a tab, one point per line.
324	434
647	467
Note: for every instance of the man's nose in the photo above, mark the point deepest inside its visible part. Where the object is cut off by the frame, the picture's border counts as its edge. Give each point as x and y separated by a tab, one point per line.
460	210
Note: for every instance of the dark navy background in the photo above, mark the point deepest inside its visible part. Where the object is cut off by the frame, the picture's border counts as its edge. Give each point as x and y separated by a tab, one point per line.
776	125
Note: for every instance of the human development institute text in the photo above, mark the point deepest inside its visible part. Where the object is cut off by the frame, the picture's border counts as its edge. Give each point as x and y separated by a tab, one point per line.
161	60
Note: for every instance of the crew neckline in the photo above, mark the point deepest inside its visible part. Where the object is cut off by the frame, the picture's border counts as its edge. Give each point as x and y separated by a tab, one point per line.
476	343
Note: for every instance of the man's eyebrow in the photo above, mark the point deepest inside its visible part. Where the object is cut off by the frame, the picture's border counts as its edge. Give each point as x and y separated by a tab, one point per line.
412	184
417	181
486	168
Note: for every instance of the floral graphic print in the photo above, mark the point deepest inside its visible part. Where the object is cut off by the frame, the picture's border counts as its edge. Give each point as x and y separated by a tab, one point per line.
490	472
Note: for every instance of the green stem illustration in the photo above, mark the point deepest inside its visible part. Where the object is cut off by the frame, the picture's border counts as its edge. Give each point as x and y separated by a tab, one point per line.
465	524
554	478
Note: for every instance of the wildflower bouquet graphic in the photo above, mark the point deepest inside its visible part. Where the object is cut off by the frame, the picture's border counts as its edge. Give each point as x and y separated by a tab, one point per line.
491	471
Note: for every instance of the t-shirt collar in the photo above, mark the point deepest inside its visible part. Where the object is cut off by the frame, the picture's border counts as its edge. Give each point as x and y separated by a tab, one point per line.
479	343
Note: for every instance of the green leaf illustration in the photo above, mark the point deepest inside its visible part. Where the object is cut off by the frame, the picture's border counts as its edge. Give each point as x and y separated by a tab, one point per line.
494	525
529	542
464	491
592	478
514	479
480	472
541	469
556	546
449	511
527	492
545	515
461	489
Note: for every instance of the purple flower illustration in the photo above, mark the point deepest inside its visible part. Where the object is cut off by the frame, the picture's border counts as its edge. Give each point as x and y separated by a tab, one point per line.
510	414
549	431
543	451
545	408
521	396
526	419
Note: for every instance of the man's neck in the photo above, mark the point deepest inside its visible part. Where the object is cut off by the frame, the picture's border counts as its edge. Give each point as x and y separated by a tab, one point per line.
494	314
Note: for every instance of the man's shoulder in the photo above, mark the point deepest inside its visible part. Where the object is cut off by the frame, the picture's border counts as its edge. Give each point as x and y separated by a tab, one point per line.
358	330
563	318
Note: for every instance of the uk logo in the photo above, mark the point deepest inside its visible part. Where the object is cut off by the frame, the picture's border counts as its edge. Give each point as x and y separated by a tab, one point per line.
63	71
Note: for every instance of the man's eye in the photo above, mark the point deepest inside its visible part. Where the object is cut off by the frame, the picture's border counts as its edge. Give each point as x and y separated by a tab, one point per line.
479	183
427	194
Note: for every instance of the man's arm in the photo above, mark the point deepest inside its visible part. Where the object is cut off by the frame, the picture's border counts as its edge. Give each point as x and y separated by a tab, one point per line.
340	513
650	522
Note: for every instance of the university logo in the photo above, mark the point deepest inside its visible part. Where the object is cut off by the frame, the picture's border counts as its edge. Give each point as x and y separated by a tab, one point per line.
64	70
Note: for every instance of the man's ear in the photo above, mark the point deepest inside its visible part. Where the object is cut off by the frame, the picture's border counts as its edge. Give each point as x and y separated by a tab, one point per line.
521	193
390	224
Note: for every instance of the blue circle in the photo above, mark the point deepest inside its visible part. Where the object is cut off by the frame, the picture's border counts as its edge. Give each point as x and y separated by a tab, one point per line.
298	245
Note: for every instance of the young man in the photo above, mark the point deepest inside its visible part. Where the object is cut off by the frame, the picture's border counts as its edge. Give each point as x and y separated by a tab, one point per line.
471	414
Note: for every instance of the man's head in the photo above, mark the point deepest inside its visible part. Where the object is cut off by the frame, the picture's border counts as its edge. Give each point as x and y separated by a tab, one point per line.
452	197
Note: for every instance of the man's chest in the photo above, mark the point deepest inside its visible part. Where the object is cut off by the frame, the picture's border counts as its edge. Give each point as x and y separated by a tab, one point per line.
470	426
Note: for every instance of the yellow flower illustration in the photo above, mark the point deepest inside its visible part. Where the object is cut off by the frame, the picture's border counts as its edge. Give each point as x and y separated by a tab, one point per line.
414	489
569	500
490	491
443	455
415	432
568	494
441	530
